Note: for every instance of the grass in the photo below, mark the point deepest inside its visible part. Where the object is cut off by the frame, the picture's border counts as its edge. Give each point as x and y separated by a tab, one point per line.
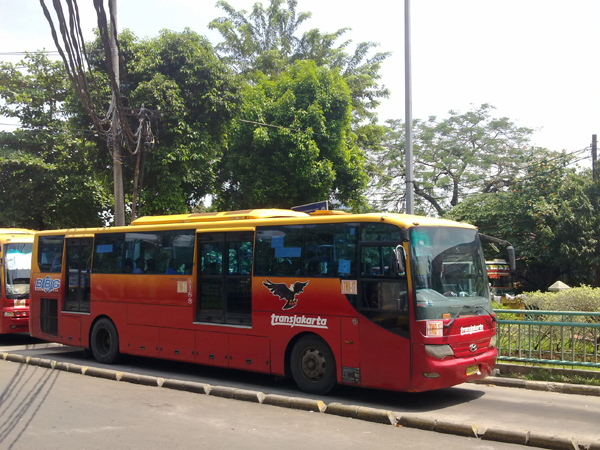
554	375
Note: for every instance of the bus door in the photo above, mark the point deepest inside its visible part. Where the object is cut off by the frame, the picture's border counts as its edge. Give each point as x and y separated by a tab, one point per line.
224	296
78	265
385	326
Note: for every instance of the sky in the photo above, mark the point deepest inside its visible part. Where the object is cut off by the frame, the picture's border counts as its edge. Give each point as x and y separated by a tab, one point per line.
536	61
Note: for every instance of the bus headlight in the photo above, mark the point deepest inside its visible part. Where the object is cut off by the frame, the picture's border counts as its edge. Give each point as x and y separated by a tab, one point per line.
9	314
493	342
439	351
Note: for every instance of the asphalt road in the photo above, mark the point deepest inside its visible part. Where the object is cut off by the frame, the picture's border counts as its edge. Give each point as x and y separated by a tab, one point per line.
50	409
543	413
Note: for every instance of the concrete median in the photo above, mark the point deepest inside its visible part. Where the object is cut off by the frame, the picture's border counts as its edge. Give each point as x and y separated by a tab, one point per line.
457	428
249	396
552	442
99	372
135	378
508	436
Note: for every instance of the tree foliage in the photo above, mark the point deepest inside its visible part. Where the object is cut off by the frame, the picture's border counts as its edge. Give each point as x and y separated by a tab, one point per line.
550	215
48	177
179	76
267	41
458	156
176	74
306	153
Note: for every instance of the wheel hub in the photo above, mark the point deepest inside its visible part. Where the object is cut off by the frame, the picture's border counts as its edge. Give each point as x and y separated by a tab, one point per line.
313	364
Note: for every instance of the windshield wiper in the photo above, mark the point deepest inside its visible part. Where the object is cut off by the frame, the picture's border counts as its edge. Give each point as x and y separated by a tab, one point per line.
480	308
477	309
449	324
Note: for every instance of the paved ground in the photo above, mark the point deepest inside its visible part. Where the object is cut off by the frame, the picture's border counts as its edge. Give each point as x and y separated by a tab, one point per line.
500	410
44	408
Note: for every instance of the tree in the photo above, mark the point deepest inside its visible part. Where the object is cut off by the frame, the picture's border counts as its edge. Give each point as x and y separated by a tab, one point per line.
48	177
178	75
550	215
294	145
455	157
266	41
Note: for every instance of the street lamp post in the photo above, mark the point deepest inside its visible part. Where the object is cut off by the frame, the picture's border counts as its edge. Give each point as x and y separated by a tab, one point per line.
408	111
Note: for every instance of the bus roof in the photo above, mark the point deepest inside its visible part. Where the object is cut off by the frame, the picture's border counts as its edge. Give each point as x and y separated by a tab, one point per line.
7	232
218	216
16	235
258	217
249	214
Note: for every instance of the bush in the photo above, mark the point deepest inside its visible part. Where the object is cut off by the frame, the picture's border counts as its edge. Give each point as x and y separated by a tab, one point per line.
584	298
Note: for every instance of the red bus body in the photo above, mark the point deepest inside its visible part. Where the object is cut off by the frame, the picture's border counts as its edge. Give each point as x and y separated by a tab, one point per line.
15	260
158	316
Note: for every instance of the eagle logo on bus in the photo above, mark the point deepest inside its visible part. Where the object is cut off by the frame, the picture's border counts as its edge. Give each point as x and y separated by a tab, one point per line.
285	292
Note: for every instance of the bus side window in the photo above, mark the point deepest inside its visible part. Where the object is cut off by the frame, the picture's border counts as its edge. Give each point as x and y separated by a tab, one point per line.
383	290
108	254
279	251
50	252
331	250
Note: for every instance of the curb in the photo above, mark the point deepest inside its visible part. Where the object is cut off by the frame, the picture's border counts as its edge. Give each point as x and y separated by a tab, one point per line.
561	388
375	415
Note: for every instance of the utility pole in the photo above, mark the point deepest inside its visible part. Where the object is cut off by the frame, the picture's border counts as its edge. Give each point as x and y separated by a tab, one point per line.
594	178
594	157
408	111
116	125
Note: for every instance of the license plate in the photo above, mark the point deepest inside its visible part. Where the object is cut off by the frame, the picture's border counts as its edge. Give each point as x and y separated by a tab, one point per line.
472	370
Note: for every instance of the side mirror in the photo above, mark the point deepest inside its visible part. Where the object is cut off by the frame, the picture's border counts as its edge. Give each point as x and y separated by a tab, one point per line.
510	251
399	259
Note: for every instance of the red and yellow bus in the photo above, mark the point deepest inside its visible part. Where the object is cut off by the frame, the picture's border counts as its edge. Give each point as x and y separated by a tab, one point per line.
15	265
501	281
387	301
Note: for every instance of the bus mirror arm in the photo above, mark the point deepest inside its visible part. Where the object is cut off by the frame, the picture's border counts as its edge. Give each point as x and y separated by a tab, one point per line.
510	250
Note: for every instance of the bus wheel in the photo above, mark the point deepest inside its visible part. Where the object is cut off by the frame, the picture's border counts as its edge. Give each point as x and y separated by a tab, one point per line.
104	341
313	365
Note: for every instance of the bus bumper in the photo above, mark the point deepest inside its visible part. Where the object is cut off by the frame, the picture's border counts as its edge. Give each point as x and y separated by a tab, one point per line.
14	321
430	373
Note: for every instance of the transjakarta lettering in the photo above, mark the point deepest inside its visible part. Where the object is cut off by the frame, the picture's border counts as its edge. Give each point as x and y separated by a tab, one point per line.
299	321
472	329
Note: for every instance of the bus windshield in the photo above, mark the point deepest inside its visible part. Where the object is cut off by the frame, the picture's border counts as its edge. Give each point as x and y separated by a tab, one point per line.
449	273
17	269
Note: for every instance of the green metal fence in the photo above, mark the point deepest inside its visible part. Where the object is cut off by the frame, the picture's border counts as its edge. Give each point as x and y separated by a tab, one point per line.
548	337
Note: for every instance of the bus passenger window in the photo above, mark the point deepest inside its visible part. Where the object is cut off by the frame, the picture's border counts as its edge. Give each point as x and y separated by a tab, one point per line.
383	289
50	251
331	250
279	251
108	254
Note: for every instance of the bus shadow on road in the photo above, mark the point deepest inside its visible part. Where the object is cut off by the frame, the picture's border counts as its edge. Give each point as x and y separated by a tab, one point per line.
407	402
266	383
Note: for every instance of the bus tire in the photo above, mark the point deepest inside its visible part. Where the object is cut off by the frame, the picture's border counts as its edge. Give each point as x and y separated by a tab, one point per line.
104	341
313	365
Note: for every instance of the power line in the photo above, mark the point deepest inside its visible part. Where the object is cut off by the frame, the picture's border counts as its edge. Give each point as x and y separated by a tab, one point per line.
49	130
25	53
262	124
